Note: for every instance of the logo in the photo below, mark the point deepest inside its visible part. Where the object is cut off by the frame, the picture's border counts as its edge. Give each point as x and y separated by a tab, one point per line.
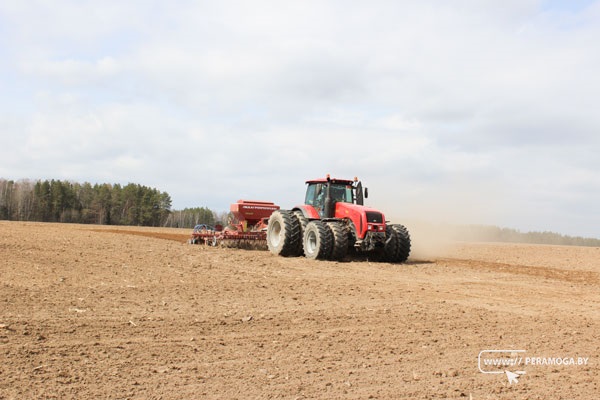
499	362
513	362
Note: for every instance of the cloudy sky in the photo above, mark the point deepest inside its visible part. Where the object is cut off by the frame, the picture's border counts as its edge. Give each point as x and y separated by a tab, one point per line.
452	111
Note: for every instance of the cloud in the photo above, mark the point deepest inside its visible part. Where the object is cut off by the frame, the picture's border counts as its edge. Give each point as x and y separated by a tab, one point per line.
74	72
458	111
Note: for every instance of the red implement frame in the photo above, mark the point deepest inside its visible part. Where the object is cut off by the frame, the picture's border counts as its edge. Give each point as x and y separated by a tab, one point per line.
249	225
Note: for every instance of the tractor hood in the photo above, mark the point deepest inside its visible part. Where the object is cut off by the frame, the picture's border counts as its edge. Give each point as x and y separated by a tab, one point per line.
355	212
349	210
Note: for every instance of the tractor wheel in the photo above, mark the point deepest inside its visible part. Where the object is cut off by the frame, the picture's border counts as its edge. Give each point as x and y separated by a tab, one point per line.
318	240
403	243
302	221
283	234
340	240
390	248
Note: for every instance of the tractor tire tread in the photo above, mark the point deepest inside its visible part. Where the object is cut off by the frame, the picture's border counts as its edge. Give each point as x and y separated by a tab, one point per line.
285	226
340	240
323	237
302	221
403	248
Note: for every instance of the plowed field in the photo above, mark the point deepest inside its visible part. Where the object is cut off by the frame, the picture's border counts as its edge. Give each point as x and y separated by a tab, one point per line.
137	313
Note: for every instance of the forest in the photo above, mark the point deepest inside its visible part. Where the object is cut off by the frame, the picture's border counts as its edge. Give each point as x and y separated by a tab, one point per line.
103	204
135	204
64	201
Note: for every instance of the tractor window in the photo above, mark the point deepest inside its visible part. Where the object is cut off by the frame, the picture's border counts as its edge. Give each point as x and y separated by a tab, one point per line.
341	193
315	194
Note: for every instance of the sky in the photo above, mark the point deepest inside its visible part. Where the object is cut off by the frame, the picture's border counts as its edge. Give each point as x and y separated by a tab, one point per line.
479	112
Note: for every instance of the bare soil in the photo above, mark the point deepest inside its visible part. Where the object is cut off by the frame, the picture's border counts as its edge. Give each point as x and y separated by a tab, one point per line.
137	313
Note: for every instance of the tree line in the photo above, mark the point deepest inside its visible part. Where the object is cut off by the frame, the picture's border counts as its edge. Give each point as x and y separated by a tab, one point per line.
490	233
190	217
103	204
65	201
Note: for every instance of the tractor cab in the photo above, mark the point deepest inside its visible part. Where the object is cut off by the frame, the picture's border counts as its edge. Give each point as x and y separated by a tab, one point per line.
323	194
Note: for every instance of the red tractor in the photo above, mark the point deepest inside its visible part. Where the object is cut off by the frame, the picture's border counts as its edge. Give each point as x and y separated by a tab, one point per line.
334	220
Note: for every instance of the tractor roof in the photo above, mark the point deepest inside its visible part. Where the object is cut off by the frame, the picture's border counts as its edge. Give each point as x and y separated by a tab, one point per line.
333	180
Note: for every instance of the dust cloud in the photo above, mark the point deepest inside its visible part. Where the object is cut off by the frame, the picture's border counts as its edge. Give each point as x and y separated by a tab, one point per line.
437	217
430	240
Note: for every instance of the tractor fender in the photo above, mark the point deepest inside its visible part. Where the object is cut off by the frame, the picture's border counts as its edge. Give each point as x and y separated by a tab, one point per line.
308	211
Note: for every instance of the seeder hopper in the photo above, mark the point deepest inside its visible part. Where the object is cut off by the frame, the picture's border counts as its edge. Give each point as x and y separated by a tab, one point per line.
247	229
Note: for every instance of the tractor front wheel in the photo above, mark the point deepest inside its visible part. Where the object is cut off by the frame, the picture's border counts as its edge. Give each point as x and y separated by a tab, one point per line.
403	249
397	244
390	248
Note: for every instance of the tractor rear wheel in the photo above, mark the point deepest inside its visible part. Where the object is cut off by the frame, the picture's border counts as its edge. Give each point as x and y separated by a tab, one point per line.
302	221
340	240
283	234
318	240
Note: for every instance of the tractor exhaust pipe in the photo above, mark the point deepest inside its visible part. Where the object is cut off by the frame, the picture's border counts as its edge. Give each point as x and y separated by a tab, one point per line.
329	212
